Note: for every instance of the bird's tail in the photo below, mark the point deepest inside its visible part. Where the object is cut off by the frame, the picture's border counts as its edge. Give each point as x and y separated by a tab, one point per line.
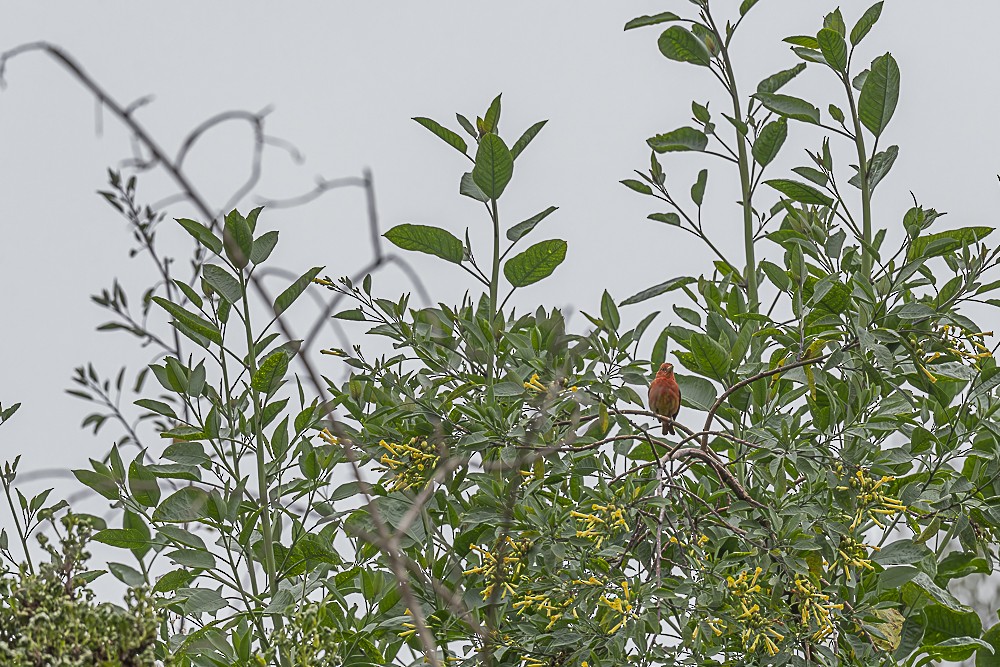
668	426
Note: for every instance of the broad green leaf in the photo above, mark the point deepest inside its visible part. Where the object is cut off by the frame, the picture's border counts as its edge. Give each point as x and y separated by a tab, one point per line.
655	19
252	218
834	48
812	174
237	239
222	282
710	356
698	189
102	484
879	94
991	637
657	290
424	238
934	245
865	23
186	504
172	580
638	186
143	485
391	510
878	167
678	43
468	187
262	247
922	584
609	312
535	263
681	139
789	107
904	552
295	290
774	82
494	166
666	218
127	575
449	137
523	228
352	314
202	234
491	121
804	41
159	407
746	6
526	138
201	600
800	192
126	538
272	370
169	535
770	140
835	21
697	392
196	323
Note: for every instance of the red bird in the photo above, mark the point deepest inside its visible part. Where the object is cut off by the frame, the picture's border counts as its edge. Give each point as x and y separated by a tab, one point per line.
665	397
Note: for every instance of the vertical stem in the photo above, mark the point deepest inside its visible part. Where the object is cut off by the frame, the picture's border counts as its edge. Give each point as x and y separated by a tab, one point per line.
17	524
262	487
866	191
494	286
750	274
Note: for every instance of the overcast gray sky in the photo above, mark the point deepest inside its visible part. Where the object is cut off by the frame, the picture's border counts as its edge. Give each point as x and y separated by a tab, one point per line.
346	77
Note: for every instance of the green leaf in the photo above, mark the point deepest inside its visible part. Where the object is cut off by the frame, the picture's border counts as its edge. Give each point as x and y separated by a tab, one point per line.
222	282
491	121
697	392
201	601
934	245
352	315
657	290
770	140
878	167
865	23
904	552
143	485
535	263
449	137
774	82
158	407
127	575
187	504
834	48
804	41
195	323
202	234
666	218
655	19
526	138
237	239
295	290
272	370
789	107
126	538
102	484
523	228
835	21
609	312
638	186
800	192
698	189
681	139
262	247
710	356
172	580
991	637
746	5
468	187
926	586
879	94
494	166
424	238
678	43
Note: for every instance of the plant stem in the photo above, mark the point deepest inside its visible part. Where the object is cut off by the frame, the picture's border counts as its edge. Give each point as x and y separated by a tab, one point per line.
494	286
866	192
21	533
750	275
262	487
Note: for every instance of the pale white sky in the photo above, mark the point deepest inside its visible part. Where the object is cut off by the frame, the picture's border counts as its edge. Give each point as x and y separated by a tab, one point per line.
346	78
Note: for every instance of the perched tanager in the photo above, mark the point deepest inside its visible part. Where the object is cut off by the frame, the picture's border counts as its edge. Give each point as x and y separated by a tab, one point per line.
665	397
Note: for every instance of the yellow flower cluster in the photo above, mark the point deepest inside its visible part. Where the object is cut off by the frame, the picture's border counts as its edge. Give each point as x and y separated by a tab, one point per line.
622	605
816	608
957	342
412	463
503	569
854	554
551	603
535	384
602	522
872	503
757	629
